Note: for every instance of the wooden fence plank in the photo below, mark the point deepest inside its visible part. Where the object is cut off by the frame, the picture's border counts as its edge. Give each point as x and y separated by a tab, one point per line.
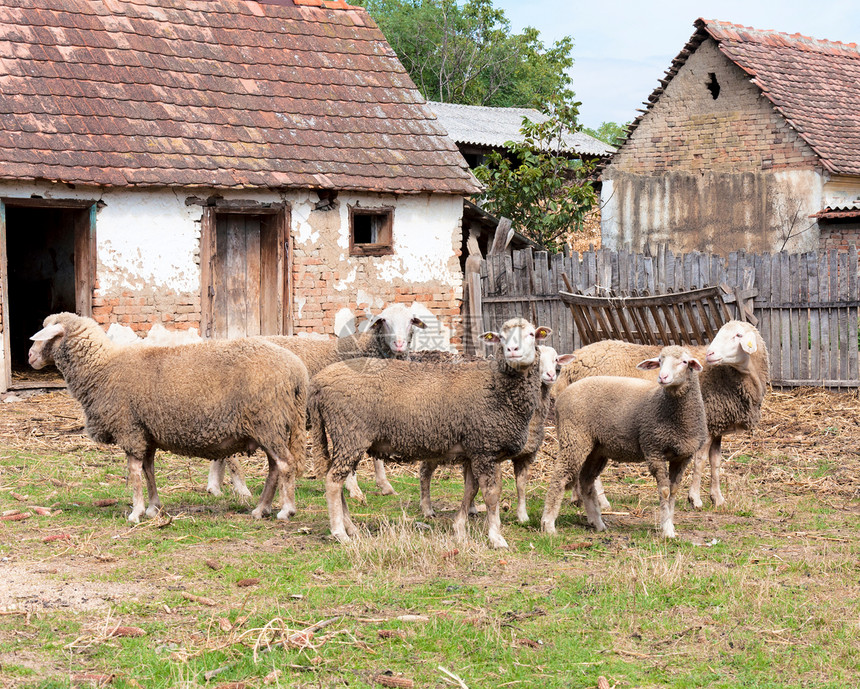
853	324
842	315
833	331
808	306
794	316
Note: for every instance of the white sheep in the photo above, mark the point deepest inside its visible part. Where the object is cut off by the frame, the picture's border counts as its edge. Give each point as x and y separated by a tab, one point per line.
411	411
206	399
734	382
628	420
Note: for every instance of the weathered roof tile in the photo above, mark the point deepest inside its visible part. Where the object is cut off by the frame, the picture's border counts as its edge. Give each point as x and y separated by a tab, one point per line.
228	93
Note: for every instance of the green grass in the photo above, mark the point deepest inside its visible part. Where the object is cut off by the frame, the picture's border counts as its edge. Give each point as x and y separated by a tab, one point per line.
762	593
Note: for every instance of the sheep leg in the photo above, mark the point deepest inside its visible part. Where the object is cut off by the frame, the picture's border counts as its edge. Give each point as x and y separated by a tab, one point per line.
601	494
135	480
381	479
348	524
216	476
470	489
352	487
668	481
338	512
489	475
716	456
280	473
694	496
521	472
287	485
564	474
598	488
151	489
469	478
588	476
237	477
426	474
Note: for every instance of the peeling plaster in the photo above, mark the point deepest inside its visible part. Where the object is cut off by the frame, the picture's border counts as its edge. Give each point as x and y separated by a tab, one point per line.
148	240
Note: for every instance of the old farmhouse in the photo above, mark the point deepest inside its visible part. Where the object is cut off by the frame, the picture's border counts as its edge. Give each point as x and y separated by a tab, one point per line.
751	141
240	167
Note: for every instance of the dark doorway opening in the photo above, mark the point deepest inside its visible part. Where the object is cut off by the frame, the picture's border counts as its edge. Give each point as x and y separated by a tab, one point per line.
43	278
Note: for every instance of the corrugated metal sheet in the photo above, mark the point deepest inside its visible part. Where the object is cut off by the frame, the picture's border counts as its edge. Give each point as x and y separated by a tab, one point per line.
493	127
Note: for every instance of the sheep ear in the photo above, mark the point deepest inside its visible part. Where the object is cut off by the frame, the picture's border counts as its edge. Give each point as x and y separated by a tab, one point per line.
565	359
649	363
49	332
694	364
749	343
418	323
376	322
491	336
542	332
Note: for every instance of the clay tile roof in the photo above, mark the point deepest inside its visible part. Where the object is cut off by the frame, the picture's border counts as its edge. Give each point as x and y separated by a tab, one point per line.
487	126
814	84
219	93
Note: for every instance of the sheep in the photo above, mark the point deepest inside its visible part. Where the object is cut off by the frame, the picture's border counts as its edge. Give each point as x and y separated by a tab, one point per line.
550	363
475	412
734	383
628	420
388	335
160	336
207	399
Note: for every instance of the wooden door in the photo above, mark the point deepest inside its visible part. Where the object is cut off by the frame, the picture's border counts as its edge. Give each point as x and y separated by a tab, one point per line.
247	290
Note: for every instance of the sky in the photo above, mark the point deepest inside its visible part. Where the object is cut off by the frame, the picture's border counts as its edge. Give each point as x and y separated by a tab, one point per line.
622	48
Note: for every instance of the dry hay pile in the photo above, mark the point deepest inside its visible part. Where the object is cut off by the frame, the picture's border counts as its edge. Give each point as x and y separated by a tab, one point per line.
808	439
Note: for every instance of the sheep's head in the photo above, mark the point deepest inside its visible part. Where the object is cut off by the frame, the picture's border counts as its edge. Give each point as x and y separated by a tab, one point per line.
733	344
551	363
518	339
42	351
395	325
675	364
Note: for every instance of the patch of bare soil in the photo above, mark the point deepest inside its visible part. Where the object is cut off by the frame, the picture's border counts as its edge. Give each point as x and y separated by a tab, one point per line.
34	587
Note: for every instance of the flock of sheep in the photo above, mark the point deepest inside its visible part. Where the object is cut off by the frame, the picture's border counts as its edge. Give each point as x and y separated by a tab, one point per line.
369	394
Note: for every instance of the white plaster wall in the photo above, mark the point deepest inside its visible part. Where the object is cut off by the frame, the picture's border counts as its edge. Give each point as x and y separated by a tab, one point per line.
150	239
426	229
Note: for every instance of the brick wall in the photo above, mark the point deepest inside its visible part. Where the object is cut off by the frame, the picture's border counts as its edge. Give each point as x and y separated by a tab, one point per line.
689	130
139	310
317	299
839	236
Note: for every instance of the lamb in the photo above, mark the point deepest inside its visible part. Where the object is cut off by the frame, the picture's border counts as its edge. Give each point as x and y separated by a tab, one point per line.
388	335
207	399
475	412
734	383
628	420
550	363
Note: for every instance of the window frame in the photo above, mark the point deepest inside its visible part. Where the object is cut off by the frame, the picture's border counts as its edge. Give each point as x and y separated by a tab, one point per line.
378	248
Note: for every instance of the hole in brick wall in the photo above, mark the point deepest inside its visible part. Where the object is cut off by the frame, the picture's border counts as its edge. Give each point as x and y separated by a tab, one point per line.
713	85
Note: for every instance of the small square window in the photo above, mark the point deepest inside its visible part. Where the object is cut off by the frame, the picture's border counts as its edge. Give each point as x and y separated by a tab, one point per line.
370	231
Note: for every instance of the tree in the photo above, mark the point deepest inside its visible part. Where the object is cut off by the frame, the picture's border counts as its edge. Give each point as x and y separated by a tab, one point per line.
467	54
539	184
609	132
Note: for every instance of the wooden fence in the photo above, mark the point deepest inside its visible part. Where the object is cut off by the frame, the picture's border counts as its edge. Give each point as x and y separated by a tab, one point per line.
806	305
